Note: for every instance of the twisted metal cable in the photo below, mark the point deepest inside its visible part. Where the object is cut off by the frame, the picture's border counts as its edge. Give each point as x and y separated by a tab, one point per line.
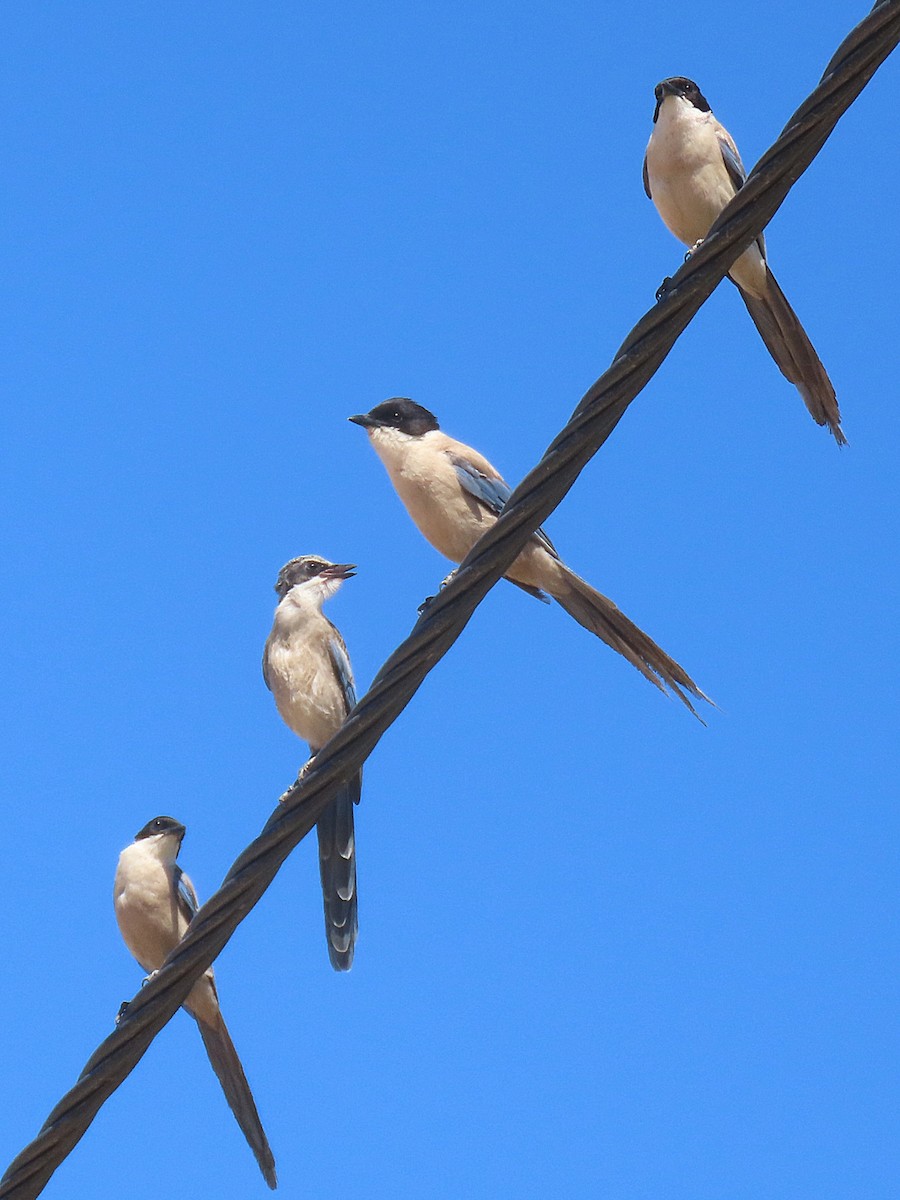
445	617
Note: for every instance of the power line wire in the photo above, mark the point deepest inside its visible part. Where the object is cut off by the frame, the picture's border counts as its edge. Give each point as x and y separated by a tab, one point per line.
445	617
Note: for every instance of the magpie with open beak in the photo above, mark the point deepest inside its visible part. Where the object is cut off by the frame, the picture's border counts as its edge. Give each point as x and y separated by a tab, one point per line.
307	669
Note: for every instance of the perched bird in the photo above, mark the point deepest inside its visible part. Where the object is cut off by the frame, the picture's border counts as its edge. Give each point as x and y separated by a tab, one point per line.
691	170
453	495
155	902
307	670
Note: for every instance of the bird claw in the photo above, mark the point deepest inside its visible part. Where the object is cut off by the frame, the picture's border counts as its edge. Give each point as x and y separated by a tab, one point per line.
285	795
126	1004
428	599
663	290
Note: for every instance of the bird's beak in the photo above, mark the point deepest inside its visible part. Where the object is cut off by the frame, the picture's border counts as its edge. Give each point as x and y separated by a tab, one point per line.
338	571
660	92
365	420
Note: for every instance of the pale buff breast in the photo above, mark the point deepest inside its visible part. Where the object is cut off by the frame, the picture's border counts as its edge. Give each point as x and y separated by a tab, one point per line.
307	695
690	184
688	180
151	921
426	481
145	905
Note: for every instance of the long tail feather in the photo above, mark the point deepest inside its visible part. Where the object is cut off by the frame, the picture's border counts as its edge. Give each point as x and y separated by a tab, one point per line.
787	342
601	616
337	868
227	1066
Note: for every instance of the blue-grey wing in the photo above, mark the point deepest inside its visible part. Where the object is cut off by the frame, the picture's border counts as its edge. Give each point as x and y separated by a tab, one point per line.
187	897
493	492
341	662
738	175
733	165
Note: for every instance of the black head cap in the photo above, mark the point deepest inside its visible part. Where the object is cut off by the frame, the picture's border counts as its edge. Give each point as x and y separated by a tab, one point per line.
399	413
308	566
160	825
679	85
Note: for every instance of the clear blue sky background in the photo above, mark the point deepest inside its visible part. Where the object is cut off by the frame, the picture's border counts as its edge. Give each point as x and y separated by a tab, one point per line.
604	951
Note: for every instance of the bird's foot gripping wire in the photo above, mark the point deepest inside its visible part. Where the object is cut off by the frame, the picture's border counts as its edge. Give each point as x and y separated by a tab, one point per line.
125	1005
663	290
301	774
428	599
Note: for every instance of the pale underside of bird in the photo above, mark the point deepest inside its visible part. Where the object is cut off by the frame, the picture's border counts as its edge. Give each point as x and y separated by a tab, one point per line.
154	903
692	169
453	495
307	669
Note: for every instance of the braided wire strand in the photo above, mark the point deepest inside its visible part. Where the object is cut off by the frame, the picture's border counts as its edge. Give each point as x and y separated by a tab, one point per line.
445	617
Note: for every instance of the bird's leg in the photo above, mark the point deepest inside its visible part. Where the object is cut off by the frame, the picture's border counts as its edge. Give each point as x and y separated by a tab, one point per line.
663	290
428	599
300	776
124	1006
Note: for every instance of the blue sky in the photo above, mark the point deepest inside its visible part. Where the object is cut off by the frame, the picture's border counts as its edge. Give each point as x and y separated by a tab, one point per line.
604	951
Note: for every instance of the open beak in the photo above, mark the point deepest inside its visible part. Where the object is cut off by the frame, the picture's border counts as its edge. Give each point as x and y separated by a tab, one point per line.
338	571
